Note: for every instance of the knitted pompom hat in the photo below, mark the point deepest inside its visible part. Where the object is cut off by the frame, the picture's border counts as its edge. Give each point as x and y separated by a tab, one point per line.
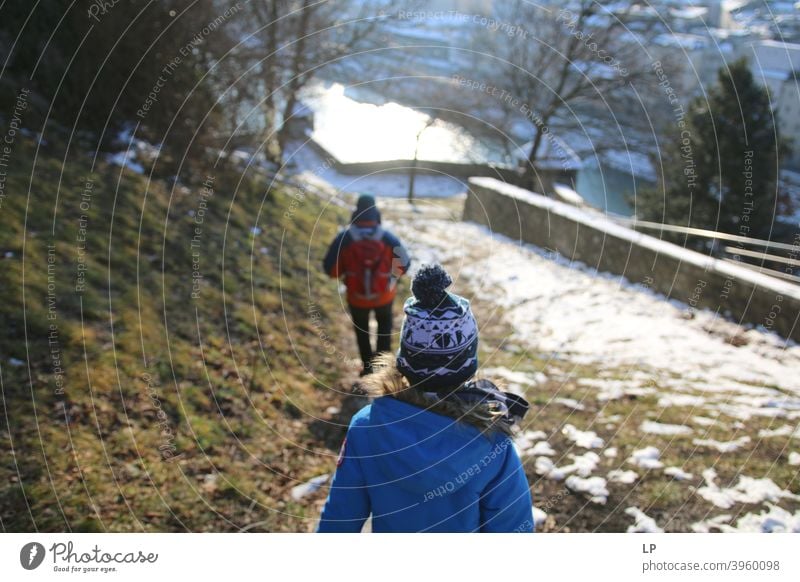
439	339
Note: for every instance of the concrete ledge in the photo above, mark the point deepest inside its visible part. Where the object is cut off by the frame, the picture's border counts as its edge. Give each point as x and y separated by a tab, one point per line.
699	281
545	176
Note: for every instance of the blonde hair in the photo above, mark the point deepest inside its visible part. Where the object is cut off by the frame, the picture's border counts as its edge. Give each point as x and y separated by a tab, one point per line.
386	380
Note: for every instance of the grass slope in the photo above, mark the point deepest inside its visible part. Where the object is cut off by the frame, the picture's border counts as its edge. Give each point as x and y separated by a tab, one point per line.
174	411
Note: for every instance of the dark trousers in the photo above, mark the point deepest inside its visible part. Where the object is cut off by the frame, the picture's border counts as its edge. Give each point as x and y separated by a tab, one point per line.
383	315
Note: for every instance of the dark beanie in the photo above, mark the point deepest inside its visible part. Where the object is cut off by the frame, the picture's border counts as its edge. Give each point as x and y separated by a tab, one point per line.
439	339
366	211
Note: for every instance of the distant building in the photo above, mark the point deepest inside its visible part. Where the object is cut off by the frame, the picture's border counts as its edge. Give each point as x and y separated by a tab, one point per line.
776	65
720	13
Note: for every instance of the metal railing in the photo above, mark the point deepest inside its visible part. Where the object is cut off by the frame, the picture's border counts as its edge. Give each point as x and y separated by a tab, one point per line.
789	253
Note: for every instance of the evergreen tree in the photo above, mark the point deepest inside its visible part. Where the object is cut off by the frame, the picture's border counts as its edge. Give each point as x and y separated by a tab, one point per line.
98	67
719	170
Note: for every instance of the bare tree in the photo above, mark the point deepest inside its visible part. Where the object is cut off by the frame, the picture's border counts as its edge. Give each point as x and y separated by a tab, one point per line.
412	174
562	59
287	43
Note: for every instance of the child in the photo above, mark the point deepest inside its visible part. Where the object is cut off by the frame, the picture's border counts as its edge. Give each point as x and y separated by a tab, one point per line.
432	453
371	259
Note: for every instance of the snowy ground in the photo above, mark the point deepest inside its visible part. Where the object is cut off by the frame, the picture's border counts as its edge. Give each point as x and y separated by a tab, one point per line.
647	415
715	403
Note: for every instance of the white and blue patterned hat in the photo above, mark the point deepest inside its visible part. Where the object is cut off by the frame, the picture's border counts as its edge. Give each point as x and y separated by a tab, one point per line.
439	338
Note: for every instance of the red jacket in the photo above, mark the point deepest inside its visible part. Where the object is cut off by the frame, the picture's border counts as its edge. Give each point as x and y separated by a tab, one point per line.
361	242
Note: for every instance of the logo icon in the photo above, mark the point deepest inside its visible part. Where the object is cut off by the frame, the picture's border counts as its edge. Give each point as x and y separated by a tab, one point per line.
31	555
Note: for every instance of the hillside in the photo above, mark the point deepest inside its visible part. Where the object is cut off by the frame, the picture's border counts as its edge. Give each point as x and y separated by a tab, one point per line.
160	348
176	361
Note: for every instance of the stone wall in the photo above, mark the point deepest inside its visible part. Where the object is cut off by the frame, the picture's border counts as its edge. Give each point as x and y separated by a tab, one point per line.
545	177
699	281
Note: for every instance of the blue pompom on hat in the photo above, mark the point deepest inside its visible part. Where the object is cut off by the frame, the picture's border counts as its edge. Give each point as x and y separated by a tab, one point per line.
439	339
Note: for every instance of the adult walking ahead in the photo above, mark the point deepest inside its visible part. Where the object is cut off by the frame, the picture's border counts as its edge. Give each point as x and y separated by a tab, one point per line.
371	259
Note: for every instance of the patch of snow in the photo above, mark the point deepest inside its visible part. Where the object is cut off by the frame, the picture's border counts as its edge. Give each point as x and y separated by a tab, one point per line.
15	362
570	403
514	377
298	492
611	389
704	421
539	517
525	440
585	439
594	487
620	476
794	458
642	522
646	458
678	474
680	400
126	159
715	522
785	430
542	448
747	490
610	452
652	427
723	447
582	465
776	520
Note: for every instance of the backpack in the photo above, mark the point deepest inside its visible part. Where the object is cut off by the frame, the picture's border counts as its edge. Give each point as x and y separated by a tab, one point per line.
368	265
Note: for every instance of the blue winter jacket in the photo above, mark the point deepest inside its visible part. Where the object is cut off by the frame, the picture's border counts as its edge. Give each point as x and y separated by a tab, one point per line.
419	471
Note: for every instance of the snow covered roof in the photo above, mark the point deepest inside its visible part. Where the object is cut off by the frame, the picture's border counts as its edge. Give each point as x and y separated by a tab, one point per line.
689	12
630	161
685	41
